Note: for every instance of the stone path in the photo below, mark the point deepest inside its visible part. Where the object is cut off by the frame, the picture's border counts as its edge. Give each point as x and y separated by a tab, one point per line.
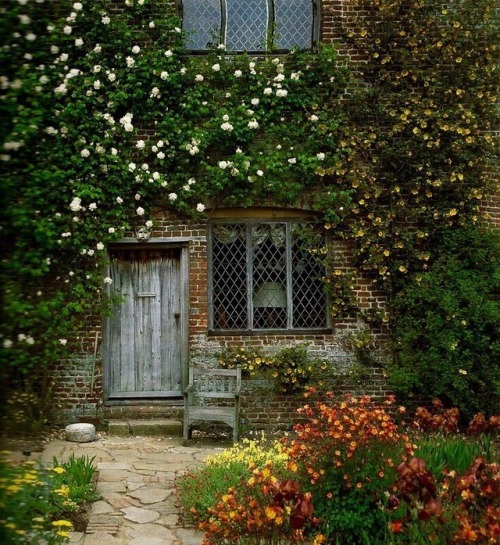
136	481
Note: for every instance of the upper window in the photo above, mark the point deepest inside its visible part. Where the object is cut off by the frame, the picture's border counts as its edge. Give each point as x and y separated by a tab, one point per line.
249	25
263	275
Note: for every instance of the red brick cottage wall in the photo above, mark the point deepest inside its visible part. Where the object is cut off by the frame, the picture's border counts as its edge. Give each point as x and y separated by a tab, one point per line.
78	385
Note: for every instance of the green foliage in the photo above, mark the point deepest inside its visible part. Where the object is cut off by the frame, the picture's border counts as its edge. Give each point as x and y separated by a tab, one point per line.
447	326
201	488
290	368
79	477
388	160
37	501
450	453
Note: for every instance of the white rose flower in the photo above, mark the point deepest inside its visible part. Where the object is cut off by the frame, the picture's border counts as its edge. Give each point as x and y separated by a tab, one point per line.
130	62
292	160
314	118
136	49
200	207
320	156
268	91
100	246
149	224
77	6
114	151
137	196
75	205
223	165
85	153
90	252
67	30
92	206
140	144
151	24
160	155
238	73
227	127
111	230
112	76
106	20
168	53
254	101
172	196
119	200
156	176
281	93
132	167
199	77
78	42
108	280
97	48
253	124
225	118
260	173
140	211
97	84
164	75
63	341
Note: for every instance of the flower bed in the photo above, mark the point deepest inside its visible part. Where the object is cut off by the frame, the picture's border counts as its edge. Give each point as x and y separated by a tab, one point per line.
39	504
351	474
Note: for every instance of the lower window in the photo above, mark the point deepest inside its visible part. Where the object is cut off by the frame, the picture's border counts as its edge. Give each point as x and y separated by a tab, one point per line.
266	276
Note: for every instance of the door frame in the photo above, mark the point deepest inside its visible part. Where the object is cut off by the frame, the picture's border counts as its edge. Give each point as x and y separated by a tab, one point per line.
154	244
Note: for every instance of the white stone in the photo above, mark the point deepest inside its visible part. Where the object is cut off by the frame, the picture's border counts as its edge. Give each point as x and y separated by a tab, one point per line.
80	433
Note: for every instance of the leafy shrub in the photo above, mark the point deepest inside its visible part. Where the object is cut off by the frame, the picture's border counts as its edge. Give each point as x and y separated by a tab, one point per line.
345	454
447	329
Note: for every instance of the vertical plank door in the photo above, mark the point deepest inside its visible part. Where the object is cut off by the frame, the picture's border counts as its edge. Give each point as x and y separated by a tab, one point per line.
144	334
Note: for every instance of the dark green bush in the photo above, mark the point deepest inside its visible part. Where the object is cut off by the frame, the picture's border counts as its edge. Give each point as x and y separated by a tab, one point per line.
447	326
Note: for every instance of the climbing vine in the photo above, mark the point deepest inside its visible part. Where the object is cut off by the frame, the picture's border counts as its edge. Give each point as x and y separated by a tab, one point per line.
104	118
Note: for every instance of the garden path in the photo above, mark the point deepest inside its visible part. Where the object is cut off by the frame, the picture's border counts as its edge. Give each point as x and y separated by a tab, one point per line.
138	505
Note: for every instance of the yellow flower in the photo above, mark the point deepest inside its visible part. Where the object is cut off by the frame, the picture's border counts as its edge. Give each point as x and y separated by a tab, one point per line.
58	470
62	523
462	371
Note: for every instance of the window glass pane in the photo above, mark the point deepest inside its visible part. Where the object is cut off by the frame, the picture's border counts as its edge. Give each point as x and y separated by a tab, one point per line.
229	273
202	23
309	299
293	23
246	25
269	276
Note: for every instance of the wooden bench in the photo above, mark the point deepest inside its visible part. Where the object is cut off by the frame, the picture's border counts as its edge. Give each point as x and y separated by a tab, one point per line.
212	395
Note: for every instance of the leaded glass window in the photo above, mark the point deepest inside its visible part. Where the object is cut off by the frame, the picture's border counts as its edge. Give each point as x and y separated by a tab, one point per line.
249	25
264	276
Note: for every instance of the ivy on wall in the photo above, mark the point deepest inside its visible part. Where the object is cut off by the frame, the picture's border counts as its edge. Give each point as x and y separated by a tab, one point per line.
104	118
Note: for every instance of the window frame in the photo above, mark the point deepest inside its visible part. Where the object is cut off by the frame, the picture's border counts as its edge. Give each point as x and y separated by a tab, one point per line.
250	330
315	29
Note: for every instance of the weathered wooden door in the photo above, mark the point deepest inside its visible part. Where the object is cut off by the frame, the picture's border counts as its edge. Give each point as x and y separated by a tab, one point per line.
145	335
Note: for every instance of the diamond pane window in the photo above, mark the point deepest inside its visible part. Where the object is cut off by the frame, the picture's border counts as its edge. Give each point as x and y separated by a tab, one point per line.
202	23
294	24
263	277
249	25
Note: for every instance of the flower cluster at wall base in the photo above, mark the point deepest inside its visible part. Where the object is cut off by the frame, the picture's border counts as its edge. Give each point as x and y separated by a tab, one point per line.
106	119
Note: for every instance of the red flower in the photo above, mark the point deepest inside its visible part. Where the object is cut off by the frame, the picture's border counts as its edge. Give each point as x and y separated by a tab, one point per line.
397	526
